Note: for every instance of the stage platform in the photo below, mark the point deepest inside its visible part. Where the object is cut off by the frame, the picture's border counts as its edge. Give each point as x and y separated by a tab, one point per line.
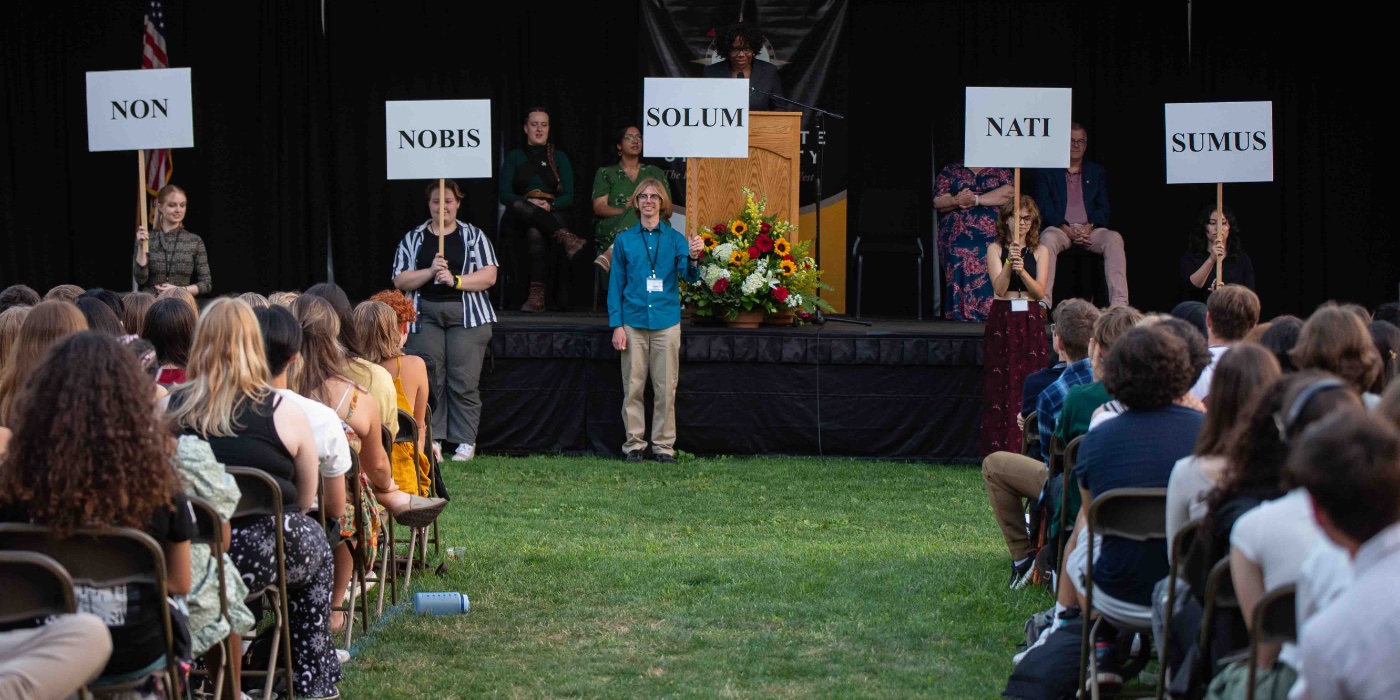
899	389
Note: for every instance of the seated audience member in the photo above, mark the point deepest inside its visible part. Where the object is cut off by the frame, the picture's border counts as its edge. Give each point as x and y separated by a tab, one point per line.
1208	244
254	300
1350	465
1075	205
53	661
46	324
613	186
228	402
63	292
1013	339
740	44
1012	478
106	296
1388	312
181	294
145	354
1082	401
100	317
89	389
17	295
134	308
170	327
11	320
1335	340
1231	313
1194	313
1147	371
536	186
383	332
372	377
284	299
1280	339
1359	311
1386	337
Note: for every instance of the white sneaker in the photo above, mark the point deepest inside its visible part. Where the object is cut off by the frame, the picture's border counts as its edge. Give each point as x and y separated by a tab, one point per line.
464	453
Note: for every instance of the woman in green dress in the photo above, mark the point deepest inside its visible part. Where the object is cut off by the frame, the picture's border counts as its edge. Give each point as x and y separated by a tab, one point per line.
613	186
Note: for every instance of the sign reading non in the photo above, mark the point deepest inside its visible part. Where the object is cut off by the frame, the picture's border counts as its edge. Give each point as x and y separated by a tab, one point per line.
1220	142
696	118
438	138
1017	128
130	110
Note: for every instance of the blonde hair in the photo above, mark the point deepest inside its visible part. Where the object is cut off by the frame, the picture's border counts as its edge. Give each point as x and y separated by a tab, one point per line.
227	366
378	325
321	358
182	294
10	322
47	323
282	298
161	194
660	189
254	300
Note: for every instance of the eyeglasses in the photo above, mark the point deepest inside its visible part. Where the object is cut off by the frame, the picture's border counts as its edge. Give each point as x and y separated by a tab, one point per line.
1078	142
631	137
648	196
744	49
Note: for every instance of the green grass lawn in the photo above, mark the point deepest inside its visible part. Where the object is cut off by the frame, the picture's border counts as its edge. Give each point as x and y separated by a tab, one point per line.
709	578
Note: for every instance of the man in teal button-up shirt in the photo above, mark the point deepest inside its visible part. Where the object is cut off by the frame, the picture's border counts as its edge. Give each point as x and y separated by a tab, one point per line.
644	310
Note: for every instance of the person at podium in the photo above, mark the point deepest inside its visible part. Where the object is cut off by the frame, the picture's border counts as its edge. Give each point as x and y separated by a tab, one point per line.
743	44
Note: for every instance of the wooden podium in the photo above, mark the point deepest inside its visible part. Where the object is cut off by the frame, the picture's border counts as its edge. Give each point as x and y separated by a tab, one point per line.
713	185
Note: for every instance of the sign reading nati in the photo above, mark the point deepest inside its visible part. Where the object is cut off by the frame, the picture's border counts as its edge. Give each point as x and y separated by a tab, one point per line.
1220	142
131	110
1017	128
696	118
438	138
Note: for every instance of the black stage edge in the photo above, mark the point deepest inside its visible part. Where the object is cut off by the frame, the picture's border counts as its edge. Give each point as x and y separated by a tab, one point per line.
899	389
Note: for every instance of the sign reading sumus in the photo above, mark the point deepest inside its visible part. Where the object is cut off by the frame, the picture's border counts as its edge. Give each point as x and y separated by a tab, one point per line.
131	110
438	138
1017	128
696	118
1220	142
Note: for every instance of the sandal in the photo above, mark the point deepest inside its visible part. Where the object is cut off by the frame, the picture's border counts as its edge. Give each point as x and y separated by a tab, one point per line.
421	512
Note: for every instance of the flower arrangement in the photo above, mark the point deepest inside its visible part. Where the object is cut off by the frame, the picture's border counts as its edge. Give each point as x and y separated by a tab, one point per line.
750	264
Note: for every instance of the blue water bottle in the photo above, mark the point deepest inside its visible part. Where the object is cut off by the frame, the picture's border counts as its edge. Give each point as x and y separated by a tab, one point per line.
440	603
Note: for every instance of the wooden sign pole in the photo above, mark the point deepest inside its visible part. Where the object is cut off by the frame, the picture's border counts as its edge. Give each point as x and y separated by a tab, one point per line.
1016	222
1219	224
141	196
442	214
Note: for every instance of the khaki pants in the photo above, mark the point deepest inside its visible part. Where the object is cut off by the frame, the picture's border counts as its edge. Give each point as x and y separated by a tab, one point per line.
656	354
1010	478
1103	242
53	661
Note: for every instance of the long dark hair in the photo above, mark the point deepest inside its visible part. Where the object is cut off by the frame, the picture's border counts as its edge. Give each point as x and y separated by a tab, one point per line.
170	327
1200	239
1240	376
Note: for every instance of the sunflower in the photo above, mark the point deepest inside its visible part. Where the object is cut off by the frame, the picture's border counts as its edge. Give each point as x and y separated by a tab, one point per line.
738	227
788	267
739	257
782	247
709	240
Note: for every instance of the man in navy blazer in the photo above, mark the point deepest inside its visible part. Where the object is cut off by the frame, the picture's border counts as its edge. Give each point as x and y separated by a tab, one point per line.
1074	205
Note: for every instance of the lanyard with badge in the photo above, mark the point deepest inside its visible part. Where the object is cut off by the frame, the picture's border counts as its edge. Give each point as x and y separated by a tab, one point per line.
654	284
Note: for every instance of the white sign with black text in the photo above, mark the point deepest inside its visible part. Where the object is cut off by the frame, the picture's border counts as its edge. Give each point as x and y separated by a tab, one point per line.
695	118
1017	128
1220	142
131	110
438	138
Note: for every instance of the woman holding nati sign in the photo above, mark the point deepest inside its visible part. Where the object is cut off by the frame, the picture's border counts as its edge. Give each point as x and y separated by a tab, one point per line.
1014	338
445	267
175	257
1214	242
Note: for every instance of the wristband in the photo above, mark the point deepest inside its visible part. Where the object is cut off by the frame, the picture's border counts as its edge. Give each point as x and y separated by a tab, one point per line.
976	200
456	281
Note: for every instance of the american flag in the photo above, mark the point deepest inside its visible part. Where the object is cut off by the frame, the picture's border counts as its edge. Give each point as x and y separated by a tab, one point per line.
158	164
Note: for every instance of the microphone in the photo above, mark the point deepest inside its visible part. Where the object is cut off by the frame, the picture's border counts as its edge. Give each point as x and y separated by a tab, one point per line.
741	75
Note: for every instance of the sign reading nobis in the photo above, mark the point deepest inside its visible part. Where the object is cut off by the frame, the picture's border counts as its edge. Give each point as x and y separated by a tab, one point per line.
696	118
1220	142
426	140
130	110
1017	128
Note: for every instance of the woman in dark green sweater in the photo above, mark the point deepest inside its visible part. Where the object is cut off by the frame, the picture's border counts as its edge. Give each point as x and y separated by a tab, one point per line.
537	188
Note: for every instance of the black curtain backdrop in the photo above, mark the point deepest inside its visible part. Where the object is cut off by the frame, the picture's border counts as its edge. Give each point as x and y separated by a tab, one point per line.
289	124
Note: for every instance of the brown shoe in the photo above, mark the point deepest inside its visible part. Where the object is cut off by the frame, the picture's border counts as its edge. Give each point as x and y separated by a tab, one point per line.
535	302
572	244
605	260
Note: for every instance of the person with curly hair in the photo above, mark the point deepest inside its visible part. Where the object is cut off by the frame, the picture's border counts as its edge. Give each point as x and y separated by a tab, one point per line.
383	323
739	46
47	323
111	469
1335	340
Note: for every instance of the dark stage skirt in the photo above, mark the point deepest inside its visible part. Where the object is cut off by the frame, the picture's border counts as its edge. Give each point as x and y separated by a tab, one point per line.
1013	347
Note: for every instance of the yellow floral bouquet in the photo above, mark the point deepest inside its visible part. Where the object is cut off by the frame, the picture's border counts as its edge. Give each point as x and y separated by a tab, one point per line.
751	264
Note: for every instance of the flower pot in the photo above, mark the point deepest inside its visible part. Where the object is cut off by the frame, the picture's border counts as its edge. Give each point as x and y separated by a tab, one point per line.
747	319
780	318
687	312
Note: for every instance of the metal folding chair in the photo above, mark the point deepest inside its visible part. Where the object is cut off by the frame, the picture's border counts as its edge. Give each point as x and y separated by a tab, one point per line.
209	530
262	497
1180	559
408	433
1275	620
35	587
1219	600
1068	482
1030	436
360	556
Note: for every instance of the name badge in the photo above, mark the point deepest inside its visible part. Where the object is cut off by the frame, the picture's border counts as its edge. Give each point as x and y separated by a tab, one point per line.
1020	305
653	284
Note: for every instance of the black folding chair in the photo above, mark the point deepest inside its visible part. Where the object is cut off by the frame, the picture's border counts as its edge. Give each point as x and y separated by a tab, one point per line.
262	497
1275	621
434	472
888	223
418	537
1219	600
35	587
209	530
105	558
1137	514
390	564
1183	555
1030	436
1067	482
361	556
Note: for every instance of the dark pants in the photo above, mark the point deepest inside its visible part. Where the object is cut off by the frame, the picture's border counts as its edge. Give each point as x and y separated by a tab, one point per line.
455	353
538	226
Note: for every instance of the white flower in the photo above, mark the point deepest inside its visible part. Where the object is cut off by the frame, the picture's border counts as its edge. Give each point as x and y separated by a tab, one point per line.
722	253
753	283
794	300
714	273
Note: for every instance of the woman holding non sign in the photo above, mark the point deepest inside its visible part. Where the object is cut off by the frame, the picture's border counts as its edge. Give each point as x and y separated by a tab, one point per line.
176	257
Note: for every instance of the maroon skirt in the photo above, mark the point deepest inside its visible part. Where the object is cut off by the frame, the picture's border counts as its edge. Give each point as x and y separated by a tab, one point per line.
1013	346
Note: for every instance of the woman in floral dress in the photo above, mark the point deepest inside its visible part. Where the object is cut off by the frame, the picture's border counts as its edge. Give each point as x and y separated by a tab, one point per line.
967	200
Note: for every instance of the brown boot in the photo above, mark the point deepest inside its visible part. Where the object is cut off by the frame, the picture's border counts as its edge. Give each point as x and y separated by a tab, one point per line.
535	303
572	244
605	260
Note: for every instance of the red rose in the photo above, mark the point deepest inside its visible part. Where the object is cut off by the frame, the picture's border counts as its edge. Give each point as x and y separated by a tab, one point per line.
763	243
720	228
720	285
780	293
754	253
764	227
788	258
